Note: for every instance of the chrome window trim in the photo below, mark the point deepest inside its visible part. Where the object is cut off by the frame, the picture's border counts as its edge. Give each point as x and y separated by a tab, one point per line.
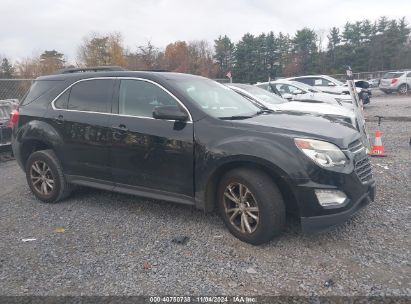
125	115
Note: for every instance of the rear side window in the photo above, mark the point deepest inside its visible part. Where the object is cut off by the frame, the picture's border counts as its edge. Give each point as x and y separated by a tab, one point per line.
38	89
91	96
309	81
392	75
409	74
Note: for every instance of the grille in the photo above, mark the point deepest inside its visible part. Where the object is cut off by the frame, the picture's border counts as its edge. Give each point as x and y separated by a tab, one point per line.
363	169
356	146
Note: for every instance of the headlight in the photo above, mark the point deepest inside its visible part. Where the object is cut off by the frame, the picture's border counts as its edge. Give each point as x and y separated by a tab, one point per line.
322	153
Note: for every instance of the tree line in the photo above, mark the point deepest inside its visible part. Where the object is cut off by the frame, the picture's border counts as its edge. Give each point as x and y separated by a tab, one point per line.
383	44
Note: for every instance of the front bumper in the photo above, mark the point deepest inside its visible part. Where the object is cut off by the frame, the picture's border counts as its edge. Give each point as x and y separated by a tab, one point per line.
317	223
355	181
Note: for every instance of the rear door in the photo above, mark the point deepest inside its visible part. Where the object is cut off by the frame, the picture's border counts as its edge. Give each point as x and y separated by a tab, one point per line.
325	85
81	116
150	153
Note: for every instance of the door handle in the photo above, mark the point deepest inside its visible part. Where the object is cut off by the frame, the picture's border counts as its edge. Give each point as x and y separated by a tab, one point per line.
59	119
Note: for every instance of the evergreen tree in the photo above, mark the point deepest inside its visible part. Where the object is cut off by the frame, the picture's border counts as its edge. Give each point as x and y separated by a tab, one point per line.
224	52
6	69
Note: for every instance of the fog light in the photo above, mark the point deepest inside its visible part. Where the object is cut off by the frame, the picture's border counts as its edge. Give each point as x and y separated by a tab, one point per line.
328	198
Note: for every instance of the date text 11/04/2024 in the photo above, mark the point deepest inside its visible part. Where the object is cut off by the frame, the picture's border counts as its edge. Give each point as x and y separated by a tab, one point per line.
205	299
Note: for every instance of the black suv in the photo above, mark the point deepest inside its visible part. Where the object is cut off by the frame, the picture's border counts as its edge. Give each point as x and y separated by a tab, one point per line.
188	139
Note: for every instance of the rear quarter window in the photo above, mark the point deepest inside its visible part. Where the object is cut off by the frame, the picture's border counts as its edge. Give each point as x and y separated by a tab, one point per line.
38	89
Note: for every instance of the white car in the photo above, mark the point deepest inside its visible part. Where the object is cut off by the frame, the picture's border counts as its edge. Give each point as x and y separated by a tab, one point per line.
276	103
324	83
293	90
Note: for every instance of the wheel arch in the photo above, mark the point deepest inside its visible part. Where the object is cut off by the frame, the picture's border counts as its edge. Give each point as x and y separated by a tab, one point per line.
277	175
35	136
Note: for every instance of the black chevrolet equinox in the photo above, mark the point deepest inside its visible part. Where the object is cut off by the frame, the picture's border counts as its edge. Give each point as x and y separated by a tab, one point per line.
188	139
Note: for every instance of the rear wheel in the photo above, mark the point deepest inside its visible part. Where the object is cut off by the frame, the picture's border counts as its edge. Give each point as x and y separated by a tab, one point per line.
45	177
403	89
251	205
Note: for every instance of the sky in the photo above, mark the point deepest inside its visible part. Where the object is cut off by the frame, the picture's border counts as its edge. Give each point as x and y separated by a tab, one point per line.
29	27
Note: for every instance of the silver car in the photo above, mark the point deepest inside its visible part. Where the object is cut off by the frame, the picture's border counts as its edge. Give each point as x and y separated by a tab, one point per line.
396	82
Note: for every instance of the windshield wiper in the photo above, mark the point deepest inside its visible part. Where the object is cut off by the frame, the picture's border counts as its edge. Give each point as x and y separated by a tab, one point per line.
236	117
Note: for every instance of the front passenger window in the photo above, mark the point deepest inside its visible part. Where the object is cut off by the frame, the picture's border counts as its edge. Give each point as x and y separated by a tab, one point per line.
139	98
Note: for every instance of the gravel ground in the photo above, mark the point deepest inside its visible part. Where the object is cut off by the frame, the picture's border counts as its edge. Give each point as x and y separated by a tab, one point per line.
101	243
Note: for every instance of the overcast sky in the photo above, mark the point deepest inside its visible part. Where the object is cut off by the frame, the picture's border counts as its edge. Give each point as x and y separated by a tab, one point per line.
29	27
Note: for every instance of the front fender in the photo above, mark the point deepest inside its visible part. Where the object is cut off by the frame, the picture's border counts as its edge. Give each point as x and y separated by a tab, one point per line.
278	157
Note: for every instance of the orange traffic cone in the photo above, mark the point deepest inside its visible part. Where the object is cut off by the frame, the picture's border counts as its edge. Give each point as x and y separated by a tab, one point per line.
377	149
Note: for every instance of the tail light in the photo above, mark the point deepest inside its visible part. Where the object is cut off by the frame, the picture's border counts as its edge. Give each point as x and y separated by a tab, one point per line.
394	80
14	118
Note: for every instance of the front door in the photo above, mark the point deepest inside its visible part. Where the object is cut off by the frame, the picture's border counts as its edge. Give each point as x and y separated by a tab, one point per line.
146	152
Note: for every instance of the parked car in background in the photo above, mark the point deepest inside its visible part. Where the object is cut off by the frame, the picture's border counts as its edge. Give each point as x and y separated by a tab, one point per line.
328	84
374	83
191	140
6	107
396	82
277	103
297	91
305	93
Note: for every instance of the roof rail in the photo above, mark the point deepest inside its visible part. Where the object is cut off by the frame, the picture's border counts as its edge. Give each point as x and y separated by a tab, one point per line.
89	69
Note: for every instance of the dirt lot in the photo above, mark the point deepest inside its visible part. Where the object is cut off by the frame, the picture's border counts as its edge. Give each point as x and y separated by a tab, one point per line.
100	243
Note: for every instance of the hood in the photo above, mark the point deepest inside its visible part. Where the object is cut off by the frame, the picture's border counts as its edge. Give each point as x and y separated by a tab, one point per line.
302	124
320	108
322	97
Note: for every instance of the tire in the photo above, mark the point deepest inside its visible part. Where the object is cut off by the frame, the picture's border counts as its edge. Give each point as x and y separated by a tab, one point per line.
403	89
263	194
45	177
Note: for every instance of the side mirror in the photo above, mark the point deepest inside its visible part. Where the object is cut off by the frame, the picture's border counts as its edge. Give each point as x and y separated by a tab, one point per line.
287	96
331	84
169	113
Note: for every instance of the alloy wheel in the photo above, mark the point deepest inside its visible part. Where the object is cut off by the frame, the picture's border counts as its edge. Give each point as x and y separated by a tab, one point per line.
41	178
403	90
241	208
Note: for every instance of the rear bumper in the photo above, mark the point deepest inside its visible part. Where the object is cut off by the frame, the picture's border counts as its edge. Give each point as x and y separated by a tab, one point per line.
322	222
388	90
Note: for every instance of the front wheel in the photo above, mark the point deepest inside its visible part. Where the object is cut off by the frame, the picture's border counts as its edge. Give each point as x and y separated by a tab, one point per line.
251	205
45	177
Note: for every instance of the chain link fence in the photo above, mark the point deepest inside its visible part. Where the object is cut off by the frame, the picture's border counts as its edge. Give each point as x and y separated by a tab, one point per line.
14	88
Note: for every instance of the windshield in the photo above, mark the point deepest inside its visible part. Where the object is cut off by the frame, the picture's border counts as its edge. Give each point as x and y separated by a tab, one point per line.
305	87
261	94
216	99
392	75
